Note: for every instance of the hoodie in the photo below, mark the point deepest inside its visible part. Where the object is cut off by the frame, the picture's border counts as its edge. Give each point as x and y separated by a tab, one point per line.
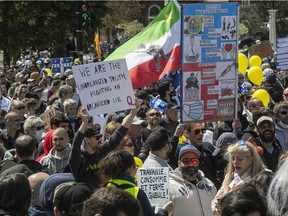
282	134
54	163
190	199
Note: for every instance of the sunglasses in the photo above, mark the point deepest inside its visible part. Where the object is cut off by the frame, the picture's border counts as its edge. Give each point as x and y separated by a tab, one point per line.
187	161
39	127
197	131
130	144
283	112
19	108
241	143
154	114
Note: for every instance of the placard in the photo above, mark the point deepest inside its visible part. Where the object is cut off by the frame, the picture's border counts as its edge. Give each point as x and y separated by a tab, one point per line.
154	182
263	50
282	54
47	115
209	63
60	65
104	87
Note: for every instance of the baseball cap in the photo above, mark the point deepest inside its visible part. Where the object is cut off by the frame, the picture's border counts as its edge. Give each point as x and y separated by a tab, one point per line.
93	130
69	197
223	140
189	148
172	106
33	76
137	121
264	118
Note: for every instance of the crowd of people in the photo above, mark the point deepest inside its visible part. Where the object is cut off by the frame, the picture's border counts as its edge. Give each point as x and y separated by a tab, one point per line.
71	163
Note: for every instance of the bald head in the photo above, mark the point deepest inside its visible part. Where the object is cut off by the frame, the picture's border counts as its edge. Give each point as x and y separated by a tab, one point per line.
35	182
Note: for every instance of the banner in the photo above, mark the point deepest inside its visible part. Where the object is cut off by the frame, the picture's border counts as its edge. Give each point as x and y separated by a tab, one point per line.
155	50
104	87
209	63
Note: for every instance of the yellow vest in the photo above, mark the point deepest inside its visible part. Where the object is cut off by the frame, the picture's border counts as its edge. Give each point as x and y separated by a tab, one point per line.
125	185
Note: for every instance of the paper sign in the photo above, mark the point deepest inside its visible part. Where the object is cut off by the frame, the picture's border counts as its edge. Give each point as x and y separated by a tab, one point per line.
155	183
104	87
47	115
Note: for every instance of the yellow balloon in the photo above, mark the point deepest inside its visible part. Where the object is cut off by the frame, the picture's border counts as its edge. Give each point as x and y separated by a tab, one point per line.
242	70
255	75
242	63
263	95
255	60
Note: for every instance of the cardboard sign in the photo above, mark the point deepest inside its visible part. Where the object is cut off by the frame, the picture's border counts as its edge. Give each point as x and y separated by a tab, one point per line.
46	117
155	183
263	50
104	87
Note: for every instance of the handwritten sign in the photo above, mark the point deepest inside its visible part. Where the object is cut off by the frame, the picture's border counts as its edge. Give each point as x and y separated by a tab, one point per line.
104	87
154	182
47	115
263	50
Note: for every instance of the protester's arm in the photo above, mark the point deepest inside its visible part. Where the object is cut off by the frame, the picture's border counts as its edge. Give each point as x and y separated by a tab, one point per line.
117	136
75	156
43	81
173	160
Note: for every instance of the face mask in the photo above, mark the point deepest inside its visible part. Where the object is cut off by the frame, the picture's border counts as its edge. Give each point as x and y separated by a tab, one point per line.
39	135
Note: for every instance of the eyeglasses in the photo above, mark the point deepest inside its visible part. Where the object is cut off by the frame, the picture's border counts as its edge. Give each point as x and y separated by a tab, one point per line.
283	112
197	131
19	108
39	127
187	161
130	144
154	114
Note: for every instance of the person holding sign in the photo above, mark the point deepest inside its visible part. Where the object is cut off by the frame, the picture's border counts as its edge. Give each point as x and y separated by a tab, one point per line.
190	190
117	170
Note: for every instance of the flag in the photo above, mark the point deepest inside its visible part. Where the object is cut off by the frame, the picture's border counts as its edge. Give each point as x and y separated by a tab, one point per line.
155	50
97	44
158	104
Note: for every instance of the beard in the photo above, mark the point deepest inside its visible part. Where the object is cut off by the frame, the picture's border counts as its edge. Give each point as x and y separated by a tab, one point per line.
190	173
155	123
267	137
60	148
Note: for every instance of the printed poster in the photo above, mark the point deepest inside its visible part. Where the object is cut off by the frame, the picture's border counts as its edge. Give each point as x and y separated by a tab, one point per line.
209	62
282	54
104	87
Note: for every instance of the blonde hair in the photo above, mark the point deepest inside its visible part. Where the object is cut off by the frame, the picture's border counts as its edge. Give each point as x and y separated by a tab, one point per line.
247	150
123	142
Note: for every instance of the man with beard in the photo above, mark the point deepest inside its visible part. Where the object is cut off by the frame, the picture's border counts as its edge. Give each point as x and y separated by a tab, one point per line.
58	156
271	149
160	148
70	108
190	190
153	118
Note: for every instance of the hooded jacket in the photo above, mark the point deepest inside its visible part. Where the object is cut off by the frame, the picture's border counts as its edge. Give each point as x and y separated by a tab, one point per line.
282	134
190	199
54	163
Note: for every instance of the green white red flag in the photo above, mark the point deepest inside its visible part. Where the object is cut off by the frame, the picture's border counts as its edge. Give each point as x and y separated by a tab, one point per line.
155	50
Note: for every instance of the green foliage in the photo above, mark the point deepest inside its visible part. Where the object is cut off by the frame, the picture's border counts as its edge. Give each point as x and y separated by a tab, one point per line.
132	28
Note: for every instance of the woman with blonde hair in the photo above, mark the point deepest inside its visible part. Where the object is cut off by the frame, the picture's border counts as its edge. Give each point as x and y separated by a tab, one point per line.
244	164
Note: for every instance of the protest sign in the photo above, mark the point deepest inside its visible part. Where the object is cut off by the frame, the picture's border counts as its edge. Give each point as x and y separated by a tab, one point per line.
154	182
282	53
263	50
47	115
104	87
209	62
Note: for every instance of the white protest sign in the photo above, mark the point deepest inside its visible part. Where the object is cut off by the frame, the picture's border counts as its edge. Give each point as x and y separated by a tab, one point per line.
154	182
104	87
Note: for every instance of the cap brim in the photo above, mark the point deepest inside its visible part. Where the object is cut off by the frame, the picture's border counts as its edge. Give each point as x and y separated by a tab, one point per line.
138	122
